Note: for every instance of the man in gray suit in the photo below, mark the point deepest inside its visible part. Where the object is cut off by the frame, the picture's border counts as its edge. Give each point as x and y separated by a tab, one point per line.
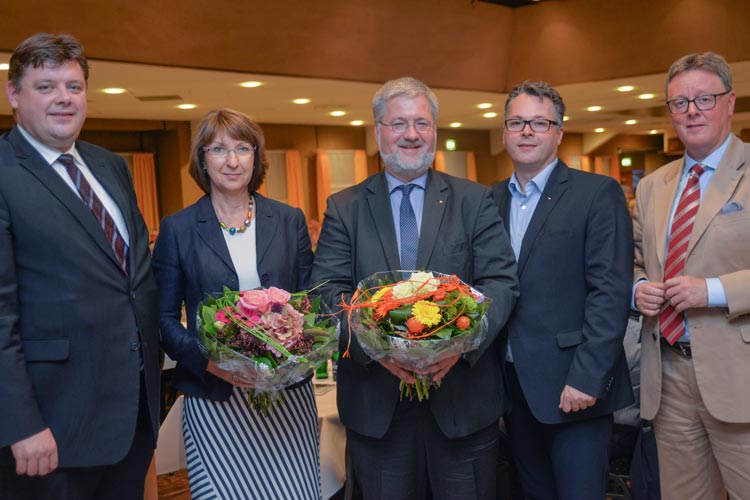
79	370
448	443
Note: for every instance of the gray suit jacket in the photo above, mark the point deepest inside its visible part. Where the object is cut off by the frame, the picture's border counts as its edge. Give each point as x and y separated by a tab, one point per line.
461	234
71	322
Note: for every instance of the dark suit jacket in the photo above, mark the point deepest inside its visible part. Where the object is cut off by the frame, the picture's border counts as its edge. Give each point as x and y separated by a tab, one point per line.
69	316
191	260
461	234
575	271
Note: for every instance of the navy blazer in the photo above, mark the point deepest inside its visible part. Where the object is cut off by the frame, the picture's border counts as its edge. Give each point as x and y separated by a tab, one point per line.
461	234
191	260
74	327
575	270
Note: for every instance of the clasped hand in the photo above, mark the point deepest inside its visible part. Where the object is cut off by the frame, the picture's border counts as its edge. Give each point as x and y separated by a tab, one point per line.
405	373
682	292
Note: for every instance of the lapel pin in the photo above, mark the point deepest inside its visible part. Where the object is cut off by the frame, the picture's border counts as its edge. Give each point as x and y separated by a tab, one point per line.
549	198
440	202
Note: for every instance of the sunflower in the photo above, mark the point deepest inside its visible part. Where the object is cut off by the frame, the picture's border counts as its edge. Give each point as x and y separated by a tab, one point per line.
427	313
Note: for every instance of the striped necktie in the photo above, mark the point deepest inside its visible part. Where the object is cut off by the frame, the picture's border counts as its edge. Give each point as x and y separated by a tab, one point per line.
672	323
96	206
408	229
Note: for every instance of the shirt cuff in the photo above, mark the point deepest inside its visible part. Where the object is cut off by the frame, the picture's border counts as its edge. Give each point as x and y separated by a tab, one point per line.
717	297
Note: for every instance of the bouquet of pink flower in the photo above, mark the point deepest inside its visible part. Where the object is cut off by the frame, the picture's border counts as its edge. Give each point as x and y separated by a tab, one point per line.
268	337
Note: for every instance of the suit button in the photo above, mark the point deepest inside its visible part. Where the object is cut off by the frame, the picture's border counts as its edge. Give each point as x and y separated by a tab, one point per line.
132	295
135	346
653	336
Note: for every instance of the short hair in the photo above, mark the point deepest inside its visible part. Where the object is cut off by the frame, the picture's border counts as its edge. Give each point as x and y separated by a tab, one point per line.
406	86
540	90
706	61
45	48
238	126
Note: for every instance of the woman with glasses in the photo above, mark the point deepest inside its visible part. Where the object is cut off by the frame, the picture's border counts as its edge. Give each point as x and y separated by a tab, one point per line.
234	237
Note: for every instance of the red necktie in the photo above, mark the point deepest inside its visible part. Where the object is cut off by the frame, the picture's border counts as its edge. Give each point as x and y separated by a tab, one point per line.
92	201
672	323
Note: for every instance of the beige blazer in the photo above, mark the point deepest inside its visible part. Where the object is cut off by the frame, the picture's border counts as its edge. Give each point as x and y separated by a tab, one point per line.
719	247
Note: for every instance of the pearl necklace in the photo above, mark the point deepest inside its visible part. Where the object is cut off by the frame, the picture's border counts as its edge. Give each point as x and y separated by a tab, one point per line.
234	230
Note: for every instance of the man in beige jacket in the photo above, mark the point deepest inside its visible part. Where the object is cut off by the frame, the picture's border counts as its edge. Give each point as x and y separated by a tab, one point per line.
692	284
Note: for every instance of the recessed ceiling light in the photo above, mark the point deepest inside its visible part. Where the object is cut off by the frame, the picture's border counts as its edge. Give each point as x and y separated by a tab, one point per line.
599	130
484	105
113	91
301	100
251	84
566	118
491	114
4	66
357	123
625	88
646	96
653	131
594	108
187	106
337	113
455	125
631	122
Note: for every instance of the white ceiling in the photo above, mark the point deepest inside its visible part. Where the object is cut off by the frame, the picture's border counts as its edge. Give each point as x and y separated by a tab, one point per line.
271	103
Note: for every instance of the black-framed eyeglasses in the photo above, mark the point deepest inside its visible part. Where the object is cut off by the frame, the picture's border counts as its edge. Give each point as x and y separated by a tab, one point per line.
222	152
401	126
536	125
702	103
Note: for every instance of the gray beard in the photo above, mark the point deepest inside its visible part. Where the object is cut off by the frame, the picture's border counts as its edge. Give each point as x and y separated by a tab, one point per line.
409	170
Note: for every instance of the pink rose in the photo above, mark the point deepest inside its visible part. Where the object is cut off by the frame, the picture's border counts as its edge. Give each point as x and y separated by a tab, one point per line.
220	316
255	300
278	295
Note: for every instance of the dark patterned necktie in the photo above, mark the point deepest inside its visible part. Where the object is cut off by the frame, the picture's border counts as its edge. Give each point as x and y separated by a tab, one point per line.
408	228
96	206
672	323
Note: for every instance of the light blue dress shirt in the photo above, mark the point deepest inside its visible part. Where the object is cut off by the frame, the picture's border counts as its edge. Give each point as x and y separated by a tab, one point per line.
416	198
522	206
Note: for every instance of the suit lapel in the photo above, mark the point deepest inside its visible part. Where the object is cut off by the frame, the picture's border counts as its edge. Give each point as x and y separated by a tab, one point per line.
379	200
662	202
210	232
503	202
554	190
720	189
265	228
436	197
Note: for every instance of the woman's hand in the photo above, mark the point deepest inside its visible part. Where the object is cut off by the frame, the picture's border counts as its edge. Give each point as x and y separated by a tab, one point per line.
227	376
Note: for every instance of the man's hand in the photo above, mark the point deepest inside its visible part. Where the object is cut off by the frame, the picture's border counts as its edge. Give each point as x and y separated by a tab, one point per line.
572	399
686	292
403	373
441	368
649	297
36	455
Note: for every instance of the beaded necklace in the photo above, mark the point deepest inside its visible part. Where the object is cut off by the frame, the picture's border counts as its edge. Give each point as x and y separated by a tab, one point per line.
234	230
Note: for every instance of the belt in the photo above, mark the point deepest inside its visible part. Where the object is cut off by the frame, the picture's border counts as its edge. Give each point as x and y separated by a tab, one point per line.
681	348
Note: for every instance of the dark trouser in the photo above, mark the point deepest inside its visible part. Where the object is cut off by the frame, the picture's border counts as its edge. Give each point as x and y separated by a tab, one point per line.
121	481
414	460
557	461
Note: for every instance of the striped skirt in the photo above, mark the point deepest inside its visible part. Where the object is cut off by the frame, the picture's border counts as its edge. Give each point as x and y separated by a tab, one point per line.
234	453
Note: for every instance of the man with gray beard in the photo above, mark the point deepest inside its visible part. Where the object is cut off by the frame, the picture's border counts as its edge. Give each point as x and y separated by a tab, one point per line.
411	217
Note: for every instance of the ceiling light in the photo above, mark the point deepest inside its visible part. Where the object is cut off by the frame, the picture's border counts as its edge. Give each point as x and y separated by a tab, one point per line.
625	88
491	114
113	91
594	108
4	66
357	123
484	105
187	106
566	118
337	113
653	131
455	125
646	96
251	84
301	100
626	161
631	122
599	130
450	144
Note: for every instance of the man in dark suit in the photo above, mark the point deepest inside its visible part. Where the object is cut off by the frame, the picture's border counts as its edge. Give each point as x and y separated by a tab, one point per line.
447	444
565	365
79	370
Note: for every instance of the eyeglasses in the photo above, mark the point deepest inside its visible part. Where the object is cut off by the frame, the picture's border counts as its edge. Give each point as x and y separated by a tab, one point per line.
702	103
536	125
401	126
222	152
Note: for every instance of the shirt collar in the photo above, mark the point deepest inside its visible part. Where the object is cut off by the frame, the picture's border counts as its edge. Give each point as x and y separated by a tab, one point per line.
539	180
50	155
711	161
393	182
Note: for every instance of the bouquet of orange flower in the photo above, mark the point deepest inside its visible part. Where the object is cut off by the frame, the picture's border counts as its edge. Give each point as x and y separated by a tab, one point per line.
268	337
418	321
